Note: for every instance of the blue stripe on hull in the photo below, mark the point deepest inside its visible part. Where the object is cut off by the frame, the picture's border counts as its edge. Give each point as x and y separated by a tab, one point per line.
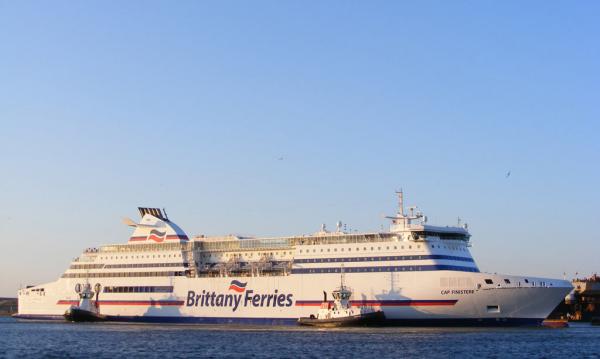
458	322
374	269
382	258
466	322
206	320
38	317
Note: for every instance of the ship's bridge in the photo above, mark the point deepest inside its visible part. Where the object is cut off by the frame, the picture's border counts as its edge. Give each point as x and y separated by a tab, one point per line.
413	225
427	232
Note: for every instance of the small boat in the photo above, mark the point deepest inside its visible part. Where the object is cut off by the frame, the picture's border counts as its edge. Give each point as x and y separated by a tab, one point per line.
555	323
87	310
341	313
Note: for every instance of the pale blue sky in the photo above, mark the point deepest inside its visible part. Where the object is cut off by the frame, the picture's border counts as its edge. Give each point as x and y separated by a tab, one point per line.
105	106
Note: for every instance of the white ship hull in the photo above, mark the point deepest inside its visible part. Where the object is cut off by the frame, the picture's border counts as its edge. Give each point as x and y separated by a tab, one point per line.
415	274
405	298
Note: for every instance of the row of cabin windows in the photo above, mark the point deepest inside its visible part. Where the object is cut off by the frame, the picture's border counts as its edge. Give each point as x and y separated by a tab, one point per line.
453	248
507	281
251	254
86	266
381	269
142	256
381	258
388	248
129	265
138	289
358	249
145	265
124	274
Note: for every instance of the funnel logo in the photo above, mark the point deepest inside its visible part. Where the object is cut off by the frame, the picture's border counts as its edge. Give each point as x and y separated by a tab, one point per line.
237	286
156	236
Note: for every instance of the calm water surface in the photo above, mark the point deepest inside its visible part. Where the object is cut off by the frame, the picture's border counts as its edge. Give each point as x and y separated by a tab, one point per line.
68	340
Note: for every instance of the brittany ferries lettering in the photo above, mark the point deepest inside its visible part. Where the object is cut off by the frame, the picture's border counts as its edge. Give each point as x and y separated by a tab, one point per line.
416	273
214	299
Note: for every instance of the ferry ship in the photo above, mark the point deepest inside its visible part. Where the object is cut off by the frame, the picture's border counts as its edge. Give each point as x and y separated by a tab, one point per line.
416	273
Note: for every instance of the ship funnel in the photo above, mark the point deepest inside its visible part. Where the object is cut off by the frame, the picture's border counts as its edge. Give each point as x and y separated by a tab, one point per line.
154	227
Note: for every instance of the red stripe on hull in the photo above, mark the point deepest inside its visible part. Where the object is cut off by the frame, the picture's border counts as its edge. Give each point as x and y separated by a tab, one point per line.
408	303
163	303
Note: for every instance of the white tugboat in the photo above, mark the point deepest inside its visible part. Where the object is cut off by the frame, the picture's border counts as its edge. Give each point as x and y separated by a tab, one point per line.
87	310
341	312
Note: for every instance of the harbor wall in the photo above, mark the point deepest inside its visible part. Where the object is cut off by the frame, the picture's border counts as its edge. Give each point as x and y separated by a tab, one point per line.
8	306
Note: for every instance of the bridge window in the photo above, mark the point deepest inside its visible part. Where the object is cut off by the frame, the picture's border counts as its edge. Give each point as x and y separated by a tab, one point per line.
507	281
489	281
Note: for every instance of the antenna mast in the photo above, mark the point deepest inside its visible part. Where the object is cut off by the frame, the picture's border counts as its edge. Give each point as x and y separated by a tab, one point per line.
400	202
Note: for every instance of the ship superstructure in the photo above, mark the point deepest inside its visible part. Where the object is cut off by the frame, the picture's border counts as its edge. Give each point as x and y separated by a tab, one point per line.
416	273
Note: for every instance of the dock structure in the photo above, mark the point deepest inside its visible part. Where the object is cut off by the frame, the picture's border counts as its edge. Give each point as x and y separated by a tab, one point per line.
8	306
583	303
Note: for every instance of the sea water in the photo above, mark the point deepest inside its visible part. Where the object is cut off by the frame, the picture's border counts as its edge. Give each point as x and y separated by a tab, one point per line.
25	339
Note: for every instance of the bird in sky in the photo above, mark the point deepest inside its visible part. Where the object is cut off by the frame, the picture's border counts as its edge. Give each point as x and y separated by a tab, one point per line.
507	174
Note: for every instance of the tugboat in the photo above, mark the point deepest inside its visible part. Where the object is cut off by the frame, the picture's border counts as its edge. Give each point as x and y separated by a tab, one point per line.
87	310
340	313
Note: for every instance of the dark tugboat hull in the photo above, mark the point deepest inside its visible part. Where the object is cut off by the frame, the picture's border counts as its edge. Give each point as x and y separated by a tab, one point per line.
374	318
81	315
